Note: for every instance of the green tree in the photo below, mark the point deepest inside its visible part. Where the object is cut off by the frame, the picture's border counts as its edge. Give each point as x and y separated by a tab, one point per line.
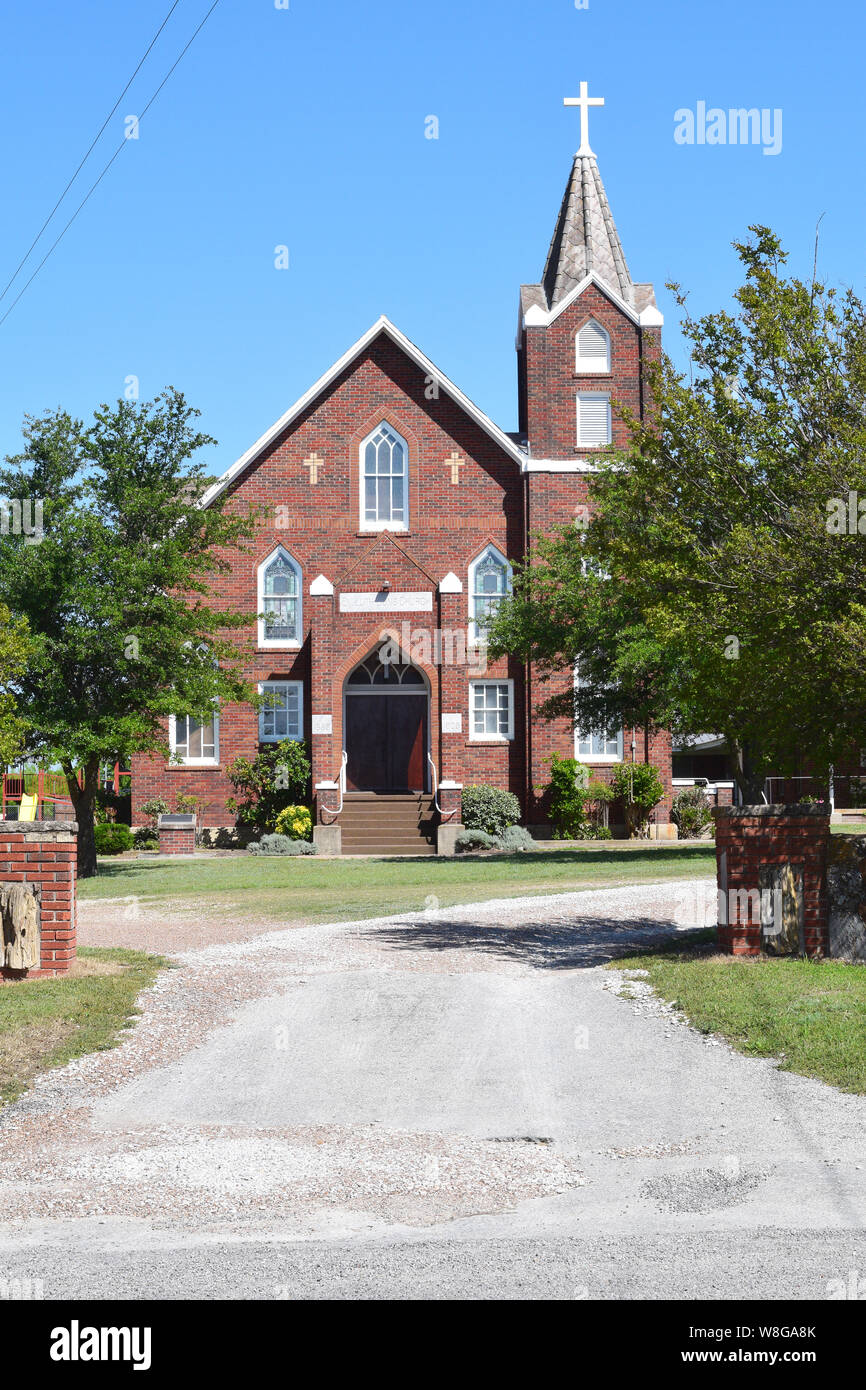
116	590
16	650
721	582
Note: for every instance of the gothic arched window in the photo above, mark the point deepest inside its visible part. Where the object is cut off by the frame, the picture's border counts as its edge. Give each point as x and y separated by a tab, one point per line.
489	582
384	481
279	600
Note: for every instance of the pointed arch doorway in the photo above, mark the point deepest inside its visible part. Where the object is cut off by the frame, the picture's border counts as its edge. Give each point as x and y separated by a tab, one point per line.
386	719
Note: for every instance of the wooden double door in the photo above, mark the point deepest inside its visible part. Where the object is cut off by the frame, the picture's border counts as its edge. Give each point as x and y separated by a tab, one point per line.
386	741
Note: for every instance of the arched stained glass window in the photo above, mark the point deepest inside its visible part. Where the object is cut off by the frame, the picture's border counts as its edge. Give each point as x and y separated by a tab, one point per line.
279	600
489	582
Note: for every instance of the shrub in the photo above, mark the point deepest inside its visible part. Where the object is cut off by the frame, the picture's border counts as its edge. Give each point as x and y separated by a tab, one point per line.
640	788
515	839
112	839
281	844
489	809
691	812
153	810
277	777
468	840
145	838
296	822
578	801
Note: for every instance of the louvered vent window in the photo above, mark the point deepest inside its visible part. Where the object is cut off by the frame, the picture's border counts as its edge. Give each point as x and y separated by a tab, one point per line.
592	348
593	419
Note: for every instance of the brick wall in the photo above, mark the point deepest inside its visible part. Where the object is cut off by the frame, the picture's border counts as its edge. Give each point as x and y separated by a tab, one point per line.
44	853
449	525
749	838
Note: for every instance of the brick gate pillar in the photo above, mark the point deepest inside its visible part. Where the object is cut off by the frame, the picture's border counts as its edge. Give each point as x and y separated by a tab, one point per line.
43	855
771	864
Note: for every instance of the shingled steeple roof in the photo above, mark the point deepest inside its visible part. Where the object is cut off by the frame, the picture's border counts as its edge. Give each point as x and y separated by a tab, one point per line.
586	238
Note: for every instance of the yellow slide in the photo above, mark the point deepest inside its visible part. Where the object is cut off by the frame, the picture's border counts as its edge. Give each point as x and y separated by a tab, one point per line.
27	809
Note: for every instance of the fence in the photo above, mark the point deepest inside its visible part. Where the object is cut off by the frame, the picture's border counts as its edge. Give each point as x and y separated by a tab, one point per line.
40	795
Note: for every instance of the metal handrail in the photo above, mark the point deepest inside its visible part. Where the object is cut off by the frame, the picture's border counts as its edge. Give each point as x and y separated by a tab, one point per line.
340	780
445	815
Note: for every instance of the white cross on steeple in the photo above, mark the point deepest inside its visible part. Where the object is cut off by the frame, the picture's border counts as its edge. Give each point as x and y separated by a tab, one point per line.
584	101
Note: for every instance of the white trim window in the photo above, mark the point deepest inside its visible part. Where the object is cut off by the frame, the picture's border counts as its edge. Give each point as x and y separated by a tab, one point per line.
593	419
604	746
194	743
489	584
592	348
598	748
282	713
279	600
491	710
384	465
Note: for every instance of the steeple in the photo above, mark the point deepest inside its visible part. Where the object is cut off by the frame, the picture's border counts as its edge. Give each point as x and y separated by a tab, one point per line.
586	238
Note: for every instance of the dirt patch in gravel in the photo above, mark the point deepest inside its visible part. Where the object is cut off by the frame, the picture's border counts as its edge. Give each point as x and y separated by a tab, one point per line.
169	927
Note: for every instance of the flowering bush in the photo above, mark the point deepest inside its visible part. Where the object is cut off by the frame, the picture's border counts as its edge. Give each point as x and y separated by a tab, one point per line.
296	822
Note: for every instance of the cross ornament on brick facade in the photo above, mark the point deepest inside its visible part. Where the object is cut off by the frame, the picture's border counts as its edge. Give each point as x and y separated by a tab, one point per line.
584	101
314	463
455	463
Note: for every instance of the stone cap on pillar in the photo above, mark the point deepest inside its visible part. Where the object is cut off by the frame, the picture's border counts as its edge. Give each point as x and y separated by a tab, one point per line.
451	584
321	585
39	827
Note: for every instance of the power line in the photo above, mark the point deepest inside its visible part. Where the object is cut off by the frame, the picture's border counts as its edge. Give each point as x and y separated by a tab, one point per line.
98	181
38	236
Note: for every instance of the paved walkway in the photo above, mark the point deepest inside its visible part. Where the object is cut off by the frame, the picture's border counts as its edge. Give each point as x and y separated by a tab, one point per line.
453	1103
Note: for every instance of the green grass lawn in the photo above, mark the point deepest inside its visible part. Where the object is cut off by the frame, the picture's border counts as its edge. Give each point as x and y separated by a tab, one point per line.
317	890
45	1023
810	1014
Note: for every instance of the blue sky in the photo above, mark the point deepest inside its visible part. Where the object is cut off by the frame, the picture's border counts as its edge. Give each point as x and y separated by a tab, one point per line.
306	128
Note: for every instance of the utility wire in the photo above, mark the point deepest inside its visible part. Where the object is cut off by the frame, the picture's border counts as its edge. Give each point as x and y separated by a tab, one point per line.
38	236
97	182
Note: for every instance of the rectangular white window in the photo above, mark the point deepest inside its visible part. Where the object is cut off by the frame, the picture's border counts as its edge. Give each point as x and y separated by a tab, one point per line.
282	714
599	747
491	709
604	747
593	419
192	741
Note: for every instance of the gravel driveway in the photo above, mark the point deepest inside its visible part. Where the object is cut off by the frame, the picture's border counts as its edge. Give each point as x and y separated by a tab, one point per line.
334	1110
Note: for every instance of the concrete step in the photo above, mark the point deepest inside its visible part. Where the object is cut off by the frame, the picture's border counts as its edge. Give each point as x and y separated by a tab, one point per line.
420	848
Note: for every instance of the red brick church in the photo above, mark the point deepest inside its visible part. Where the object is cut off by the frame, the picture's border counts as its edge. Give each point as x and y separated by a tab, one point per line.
395	512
